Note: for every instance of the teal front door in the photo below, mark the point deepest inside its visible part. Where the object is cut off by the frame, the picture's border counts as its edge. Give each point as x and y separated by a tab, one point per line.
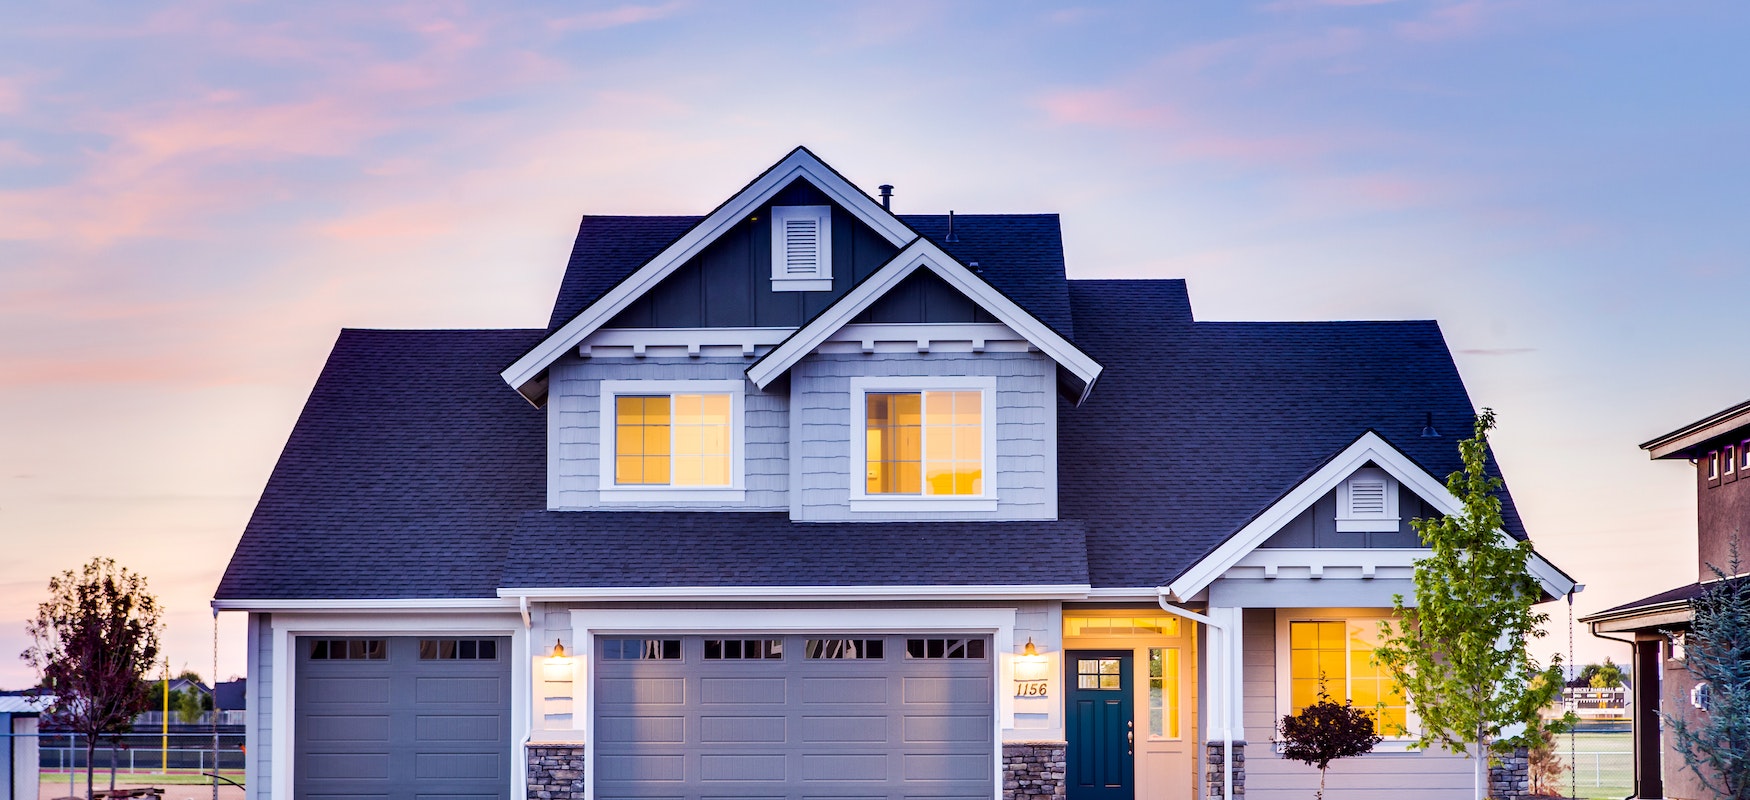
1101	727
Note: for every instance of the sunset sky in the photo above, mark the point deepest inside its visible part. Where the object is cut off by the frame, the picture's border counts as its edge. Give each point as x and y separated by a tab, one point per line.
195	197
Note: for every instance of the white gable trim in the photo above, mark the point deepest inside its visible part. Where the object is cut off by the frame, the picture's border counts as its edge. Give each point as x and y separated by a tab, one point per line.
798	164
1370	447
923	254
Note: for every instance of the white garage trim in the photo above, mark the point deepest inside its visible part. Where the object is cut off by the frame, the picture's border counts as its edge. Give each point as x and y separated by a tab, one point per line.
998	622
287	627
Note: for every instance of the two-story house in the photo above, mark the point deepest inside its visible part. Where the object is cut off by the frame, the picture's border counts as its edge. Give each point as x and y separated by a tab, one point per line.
803	498
1718	447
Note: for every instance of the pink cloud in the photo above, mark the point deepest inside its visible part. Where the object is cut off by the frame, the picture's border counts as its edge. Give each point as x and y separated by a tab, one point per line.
11	96
614	17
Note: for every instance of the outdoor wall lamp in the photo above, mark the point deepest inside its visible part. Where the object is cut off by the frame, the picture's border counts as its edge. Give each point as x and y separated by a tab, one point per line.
558	650
1030	650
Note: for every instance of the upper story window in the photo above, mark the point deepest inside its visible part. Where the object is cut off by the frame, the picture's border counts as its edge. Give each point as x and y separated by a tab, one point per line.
801	248
666	441
925	442
1744	456
1367	501
1730	457
1713	465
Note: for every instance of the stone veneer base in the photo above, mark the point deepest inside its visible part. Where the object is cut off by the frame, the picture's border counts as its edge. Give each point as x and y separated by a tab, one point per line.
1034	770
1510	776
1213	772
556	771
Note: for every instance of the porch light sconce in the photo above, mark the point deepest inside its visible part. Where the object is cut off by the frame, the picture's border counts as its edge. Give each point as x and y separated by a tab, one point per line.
1030	651
1030	672
558	650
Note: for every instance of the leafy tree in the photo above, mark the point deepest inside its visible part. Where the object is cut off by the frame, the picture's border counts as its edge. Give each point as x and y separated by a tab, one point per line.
1717	653
1601	676
1463	652
189	703
1325	731
92	644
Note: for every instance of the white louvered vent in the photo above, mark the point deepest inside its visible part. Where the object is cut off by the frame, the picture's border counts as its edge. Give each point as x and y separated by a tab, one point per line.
801	248
1367	501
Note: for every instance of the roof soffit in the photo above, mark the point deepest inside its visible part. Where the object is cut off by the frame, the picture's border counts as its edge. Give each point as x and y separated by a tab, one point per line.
525	374
922	253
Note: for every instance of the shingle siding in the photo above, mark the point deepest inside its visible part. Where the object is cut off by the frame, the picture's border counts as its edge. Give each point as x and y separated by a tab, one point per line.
1026	446
577	401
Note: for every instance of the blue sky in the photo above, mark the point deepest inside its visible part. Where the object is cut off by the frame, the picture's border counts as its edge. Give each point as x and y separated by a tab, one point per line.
195	197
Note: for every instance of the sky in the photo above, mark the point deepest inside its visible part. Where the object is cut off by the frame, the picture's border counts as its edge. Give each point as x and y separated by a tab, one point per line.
195	197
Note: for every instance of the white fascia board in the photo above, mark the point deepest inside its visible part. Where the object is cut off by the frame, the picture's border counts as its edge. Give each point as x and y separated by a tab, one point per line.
921	254
434	604
1369	447
1068	591
798	164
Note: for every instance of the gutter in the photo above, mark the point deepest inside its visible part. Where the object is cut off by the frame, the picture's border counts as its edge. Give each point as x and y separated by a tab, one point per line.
1225	694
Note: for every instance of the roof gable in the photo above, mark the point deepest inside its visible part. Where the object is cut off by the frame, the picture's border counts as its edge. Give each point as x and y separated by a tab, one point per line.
1369	450
528	374
924	255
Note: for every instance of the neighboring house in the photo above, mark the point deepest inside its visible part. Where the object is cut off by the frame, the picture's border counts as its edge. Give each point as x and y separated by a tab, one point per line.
20	714
1719	449
802	498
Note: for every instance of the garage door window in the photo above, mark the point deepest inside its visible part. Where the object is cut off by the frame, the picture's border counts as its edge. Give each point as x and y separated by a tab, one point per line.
641	649
735	649
457	650
836	649
349	649
944	648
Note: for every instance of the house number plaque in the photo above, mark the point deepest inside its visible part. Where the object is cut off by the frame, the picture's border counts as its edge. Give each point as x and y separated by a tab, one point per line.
1031	689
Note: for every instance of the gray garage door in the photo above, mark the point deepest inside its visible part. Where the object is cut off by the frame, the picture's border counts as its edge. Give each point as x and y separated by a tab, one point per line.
402	717
787	716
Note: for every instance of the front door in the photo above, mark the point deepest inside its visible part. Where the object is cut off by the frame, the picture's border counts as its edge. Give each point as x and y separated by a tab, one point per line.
1101	727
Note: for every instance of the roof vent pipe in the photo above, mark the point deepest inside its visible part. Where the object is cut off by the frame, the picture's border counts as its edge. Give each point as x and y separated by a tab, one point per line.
887	196
1428	431
951	237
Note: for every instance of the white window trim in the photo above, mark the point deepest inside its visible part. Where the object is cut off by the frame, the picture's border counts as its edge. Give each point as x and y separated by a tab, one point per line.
861	500
821	280
1350	522
612	492
1284	675
1729	457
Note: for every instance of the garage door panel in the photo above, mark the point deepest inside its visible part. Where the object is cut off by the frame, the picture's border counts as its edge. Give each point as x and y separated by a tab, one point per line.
650	730
656	767
742	767
837	690
347	691
457	766
762	691
466	691
939	767
320	766
944	689
349	728
844	767
974	728
726	730
638	691
847	730
457	728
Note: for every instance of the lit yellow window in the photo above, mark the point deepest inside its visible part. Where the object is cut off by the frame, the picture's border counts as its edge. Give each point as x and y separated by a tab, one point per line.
672	440
924	443
1163	692
1341	653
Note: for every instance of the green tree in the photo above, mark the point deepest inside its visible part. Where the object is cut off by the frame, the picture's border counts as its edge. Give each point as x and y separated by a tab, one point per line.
1326	731
1463	650
1602	676
92	644
1717	653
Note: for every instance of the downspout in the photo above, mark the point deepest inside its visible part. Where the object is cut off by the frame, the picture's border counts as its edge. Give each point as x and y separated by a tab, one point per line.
528	699
1227	737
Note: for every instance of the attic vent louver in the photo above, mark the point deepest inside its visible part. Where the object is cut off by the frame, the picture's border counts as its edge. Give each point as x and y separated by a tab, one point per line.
1367	501
801	248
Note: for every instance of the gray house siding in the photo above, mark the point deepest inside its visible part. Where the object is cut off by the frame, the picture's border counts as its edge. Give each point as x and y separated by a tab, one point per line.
1317	526
1026	431
259	706
574	460
729	284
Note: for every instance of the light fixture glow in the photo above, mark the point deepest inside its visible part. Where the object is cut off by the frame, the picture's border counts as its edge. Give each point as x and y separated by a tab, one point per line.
1029	650
558	650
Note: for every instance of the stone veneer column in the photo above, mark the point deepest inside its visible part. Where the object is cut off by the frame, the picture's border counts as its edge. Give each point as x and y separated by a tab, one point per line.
1033	770
1510	776
1213	775
556	771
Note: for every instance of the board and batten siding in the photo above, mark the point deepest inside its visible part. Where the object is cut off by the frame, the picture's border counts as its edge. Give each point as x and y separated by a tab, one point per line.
258	705
1435	775
1026	431
574	454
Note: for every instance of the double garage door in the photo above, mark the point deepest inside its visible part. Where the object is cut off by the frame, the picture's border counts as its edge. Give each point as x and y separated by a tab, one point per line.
402	717
794	716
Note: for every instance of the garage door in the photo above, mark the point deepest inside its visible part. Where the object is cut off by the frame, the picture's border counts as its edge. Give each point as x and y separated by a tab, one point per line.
791	716
402	717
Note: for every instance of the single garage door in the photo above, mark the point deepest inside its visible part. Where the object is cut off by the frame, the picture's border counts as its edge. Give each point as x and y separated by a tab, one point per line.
813	716
402	717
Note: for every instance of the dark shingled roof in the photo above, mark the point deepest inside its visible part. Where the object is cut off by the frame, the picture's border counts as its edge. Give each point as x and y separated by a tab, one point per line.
1020	254
618	548
415	472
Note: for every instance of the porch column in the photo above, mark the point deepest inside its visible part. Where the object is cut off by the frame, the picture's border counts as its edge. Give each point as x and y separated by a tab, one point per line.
1225	722
1649	777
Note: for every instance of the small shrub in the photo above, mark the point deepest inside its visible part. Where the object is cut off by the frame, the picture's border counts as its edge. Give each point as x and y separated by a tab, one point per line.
1325	731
